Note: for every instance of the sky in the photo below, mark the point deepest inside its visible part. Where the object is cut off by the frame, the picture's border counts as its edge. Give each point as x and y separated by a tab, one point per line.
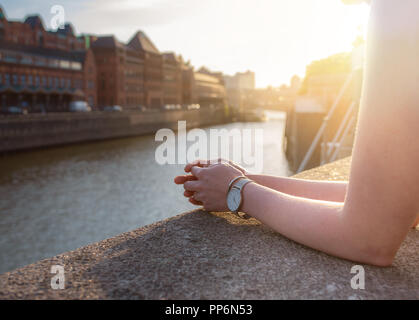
274	38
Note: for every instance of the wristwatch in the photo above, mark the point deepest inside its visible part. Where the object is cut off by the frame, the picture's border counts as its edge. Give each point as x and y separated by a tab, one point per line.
235	196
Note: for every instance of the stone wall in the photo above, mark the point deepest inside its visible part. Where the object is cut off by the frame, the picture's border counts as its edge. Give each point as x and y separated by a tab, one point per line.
38	130
201	255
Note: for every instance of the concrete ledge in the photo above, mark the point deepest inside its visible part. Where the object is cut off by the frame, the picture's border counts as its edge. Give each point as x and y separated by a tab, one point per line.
198	255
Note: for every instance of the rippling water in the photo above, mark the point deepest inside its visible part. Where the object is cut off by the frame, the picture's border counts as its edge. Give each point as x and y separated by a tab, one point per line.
59	199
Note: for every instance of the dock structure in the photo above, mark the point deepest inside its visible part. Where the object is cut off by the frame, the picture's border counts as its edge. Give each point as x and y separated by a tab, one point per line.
321	126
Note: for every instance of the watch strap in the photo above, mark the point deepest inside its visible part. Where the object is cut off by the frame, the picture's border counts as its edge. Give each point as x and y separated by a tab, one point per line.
241	183
233	181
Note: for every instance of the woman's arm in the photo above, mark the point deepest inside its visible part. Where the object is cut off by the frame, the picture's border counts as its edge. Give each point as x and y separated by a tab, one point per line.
317	190
382	199
317	224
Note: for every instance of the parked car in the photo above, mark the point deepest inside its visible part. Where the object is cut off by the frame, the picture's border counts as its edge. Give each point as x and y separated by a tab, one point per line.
14	110
79	106
112	109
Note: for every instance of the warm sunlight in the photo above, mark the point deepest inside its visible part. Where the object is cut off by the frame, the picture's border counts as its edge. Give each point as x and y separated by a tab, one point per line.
209	154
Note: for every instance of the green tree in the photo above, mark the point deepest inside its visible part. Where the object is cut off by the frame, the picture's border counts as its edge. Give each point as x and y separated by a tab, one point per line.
335	64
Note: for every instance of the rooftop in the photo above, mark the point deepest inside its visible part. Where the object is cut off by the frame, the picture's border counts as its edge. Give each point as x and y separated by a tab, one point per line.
109	41
140	41
34	21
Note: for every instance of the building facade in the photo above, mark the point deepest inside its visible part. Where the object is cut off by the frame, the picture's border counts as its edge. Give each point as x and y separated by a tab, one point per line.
153	69
43	70
109	56
239	87
240	81
120	73
172	79
208	91
134	79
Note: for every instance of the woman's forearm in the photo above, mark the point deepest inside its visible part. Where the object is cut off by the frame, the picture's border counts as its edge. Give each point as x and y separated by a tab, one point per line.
317	224
317	190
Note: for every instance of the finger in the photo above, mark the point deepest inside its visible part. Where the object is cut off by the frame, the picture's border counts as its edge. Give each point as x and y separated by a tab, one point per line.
189	166
197	196
182	179
196	163
216	161
193	201
188	194
203	163
197	171
192	185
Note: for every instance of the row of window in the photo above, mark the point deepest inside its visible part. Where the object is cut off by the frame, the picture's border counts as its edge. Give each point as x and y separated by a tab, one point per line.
155	78
171	77
134	101
154	88
133	88
27	59
171	90
44	81
133	74
137	62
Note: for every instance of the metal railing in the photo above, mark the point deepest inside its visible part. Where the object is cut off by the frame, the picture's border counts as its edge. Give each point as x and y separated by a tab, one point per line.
331	150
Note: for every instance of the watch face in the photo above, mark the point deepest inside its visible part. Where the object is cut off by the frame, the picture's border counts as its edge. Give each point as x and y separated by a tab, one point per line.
234	199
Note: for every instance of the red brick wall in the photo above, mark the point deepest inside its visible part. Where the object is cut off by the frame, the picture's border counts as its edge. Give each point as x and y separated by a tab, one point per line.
153	80
110	82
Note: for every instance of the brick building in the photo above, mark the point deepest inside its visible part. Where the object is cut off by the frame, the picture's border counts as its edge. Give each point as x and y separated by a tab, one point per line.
120	73
41	69
172	79
188	83
131	75
216	74
46	70
153	69
109	56
134	78
208	90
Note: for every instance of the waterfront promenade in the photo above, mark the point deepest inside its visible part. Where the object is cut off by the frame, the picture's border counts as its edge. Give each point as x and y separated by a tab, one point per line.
200	255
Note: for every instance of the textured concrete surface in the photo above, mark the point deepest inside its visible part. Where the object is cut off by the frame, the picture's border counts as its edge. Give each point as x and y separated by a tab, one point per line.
199	255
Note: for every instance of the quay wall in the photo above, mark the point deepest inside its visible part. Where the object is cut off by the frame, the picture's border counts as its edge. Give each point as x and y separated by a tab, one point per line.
43	130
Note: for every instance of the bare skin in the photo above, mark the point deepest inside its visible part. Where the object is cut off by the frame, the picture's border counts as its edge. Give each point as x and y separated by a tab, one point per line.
366	219
317	190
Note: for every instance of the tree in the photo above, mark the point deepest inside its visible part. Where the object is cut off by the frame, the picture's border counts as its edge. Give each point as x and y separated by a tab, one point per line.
335	64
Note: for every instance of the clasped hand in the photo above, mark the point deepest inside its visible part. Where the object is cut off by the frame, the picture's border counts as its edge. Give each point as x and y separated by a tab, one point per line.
206	182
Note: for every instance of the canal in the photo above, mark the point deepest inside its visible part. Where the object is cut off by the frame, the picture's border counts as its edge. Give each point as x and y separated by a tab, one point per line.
60	199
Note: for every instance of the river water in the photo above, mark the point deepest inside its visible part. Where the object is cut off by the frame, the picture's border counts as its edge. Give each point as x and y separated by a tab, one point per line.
60	199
